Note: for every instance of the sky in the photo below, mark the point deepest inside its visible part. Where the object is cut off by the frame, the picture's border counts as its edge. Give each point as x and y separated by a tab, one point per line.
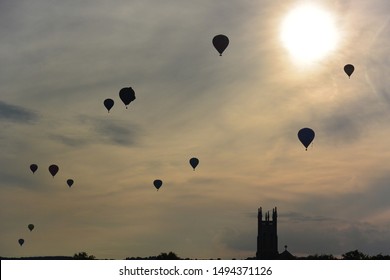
238	113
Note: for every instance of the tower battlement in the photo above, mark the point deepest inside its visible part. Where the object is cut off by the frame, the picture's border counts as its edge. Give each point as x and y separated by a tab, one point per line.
267	235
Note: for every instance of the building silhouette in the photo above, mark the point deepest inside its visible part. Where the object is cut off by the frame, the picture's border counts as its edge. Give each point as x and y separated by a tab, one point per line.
267	237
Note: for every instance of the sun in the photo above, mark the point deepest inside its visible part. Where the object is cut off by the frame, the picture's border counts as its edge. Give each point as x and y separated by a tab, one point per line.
309	33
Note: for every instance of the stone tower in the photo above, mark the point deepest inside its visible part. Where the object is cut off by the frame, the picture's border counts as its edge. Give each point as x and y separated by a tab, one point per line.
267	236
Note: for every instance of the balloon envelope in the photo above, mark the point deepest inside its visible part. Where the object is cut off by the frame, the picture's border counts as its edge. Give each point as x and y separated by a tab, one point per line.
127	95
21	241
157	183
306	136
30	227
348	69
53	169
220	43
194	162
69	182
108	103
33	168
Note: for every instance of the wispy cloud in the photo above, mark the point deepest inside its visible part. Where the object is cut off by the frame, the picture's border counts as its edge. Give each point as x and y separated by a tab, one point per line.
118	133
18	114
299	217
71	141
105	130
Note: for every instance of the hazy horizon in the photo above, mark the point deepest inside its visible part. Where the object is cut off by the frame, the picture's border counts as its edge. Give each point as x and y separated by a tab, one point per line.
238	113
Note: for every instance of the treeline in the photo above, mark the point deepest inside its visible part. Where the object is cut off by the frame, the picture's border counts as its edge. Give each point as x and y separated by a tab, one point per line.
86	256
78	256
162	256
351	255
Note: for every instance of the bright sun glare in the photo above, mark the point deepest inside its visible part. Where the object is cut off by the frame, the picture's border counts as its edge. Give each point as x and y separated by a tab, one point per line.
309	33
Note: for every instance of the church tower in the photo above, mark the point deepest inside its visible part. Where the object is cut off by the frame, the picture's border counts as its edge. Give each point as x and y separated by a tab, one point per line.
267	235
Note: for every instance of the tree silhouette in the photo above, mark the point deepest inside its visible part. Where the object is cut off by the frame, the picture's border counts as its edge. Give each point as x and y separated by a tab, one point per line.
162	256
355	255
380	257
83	256
321	257
169	256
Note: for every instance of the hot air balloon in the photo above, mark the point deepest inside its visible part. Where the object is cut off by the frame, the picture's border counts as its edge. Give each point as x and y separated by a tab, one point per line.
53	169
33	168
157	183
194	162
306	136
220	43
127	95
21	241
69	182
108	103
348	69
30	227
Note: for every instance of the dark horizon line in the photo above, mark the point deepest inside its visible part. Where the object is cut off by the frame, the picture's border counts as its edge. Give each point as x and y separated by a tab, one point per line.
351	255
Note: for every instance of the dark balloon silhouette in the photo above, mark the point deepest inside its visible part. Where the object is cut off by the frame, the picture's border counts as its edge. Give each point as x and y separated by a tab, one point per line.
127	95
69	182
306	136
220	43
53	169
157	184
108	103
194	162
30	227
21	241
33	168
348	69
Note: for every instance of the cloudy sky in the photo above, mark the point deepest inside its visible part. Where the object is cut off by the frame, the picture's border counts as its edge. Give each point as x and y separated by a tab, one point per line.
239	114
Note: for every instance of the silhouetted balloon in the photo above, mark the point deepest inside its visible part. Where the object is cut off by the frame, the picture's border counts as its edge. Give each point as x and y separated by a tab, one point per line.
348	69
306	136
157	184
33	168
30	227
194	162
108	103
53	169
220	43
21	241
69	182
127	95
